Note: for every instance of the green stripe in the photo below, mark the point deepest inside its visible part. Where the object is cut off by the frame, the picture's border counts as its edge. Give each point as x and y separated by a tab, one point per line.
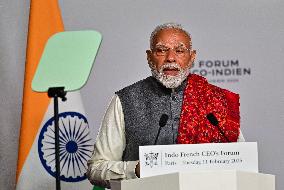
98	188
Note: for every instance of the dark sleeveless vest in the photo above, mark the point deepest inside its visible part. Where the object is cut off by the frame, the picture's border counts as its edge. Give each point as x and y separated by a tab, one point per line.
143	104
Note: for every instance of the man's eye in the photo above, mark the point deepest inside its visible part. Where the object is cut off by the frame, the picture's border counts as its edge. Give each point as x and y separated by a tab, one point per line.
161	50
180	50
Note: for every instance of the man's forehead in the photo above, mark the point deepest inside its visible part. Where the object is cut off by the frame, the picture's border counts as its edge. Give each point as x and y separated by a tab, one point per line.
177	44
171	36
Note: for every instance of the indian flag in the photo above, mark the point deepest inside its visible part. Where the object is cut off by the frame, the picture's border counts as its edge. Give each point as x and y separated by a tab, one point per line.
36	158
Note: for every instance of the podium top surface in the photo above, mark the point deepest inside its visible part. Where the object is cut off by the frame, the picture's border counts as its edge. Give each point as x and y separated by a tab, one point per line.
201	180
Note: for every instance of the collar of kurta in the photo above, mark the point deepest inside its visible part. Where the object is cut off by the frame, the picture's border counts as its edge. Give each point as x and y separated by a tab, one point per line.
201	99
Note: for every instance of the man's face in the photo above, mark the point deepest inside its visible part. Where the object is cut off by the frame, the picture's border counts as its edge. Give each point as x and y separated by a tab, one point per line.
171	46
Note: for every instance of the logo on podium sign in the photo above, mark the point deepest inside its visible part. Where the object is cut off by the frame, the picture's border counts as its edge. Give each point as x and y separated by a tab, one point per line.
151	159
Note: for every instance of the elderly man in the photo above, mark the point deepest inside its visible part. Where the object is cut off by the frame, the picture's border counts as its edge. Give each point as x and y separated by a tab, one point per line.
194	111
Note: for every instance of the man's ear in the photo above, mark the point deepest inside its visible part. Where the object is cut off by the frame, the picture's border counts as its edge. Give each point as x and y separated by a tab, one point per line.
149	55
193	55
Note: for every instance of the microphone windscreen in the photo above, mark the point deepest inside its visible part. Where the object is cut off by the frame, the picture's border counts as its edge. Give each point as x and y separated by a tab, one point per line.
213	120
163	120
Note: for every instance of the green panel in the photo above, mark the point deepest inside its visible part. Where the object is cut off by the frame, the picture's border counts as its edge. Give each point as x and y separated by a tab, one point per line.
67	60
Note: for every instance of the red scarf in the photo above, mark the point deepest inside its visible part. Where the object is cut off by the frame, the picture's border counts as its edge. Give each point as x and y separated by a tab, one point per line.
200	99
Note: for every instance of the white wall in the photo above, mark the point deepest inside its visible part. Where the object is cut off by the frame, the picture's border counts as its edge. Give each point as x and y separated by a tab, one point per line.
14	16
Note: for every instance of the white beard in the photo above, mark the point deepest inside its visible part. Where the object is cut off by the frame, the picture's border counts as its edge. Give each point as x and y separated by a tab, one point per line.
167	80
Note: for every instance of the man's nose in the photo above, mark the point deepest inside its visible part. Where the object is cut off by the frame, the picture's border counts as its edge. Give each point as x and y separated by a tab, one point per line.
171	56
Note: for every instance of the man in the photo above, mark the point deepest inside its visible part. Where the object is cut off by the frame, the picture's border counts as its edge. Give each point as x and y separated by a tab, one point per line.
196	111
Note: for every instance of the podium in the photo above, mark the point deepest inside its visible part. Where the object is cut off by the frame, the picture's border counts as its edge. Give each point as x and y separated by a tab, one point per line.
203	180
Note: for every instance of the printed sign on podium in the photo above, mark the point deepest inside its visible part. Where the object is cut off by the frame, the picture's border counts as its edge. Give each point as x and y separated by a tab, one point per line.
164	159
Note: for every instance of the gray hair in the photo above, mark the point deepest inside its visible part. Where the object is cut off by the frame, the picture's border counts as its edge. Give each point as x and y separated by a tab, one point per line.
167	26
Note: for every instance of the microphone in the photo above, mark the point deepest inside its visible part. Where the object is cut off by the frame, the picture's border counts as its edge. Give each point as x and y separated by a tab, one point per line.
163	121
214	121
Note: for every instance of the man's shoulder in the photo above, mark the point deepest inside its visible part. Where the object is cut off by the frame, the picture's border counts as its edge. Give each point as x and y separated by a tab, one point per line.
139	85
226	92
202	81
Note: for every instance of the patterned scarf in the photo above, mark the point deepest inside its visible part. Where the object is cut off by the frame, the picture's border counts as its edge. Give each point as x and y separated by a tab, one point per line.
201	99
